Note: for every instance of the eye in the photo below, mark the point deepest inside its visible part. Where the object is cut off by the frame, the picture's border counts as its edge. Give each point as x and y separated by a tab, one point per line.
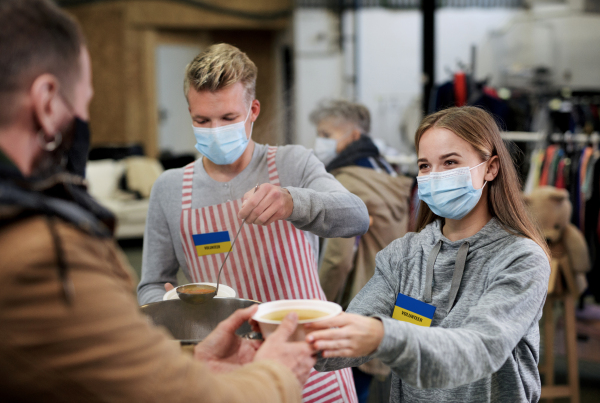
450	162
201	122
423	167
557	226
229	119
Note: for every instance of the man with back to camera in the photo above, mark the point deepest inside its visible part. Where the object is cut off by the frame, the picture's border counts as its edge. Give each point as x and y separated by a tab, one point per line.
70	328
195	212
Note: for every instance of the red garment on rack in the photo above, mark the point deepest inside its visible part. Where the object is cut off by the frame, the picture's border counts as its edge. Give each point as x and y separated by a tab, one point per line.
491	92
460	88
547	163
560	175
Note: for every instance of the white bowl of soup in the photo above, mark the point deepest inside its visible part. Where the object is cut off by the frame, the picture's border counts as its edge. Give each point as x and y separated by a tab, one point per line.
270	314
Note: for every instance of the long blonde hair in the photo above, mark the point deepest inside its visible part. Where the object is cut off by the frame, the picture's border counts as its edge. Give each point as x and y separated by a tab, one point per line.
478	128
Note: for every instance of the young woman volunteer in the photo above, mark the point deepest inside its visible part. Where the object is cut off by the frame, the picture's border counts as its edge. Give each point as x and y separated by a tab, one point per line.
453	309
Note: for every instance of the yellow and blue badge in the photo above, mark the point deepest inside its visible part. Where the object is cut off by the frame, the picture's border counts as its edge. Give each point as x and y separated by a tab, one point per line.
212	243
412	310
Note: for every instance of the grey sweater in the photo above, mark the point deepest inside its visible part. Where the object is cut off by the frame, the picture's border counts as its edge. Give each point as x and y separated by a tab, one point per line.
487	347
321	205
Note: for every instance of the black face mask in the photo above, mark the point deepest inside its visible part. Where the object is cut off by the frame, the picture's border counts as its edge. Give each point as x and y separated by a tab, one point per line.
70	155
78	151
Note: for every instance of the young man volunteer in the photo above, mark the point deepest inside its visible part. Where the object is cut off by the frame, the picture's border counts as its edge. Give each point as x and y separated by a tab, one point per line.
196	212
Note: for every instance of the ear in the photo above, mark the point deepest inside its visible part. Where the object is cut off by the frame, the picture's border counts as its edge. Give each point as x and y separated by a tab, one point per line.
47	106
356	134
492	169
255	110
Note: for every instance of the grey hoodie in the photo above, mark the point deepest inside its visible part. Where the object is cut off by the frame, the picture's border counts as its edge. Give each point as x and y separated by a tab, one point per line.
486	348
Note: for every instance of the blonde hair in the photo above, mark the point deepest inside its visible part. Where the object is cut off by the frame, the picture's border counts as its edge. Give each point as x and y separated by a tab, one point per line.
478	128
345	110
218	67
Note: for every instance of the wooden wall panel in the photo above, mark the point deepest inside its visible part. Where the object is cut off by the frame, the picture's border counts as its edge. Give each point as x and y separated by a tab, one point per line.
122	37
141	125
168	15
259	46
104	29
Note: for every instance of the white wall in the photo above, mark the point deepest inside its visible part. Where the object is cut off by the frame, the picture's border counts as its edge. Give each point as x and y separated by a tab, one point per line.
175	128
389	71
390	67
551	36
317	67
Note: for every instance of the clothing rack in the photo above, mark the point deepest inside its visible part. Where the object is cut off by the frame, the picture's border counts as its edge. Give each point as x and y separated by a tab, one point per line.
538	137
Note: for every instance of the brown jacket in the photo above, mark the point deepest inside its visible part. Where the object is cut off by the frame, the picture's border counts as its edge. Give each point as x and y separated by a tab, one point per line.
345	271
347	264
100	348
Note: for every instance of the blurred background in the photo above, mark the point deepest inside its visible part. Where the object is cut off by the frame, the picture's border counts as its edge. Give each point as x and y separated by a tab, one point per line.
535	64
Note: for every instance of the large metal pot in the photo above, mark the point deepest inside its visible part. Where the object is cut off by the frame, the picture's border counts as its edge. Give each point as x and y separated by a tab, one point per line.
192	323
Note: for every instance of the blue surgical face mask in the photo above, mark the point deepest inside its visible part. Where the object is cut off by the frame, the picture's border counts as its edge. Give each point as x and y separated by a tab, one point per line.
225	144
450	194
326	149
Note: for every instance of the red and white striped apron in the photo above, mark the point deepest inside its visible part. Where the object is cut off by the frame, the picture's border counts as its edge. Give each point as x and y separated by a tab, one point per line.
268	263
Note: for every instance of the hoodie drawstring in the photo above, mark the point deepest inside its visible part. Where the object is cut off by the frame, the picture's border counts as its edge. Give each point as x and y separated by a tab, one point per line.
459	268
429	272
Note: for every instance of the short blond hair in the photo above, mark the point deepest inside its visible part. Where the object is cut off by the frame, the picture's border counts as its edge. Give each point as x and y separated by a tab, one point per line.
218	67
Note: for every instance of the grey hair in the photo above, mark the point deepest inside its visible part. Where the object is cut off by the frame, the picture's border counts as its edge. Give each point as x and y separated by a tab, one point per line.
345	110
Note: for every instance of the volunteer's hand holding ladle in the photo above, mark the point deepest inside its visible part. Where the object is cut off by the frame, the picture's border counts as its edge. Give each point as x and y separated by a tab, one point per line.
266	205
198	294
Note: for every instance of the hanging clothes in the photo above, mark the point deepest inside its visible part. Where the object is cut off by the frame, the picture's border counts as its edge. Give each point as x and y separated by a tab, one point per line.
586	155
535	169
460	88
553	170
550	151
560	174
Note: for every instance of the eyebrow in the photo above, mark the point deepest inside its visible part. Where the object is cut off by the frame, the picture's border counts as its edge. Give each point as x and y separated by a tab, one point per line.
443	157
226	115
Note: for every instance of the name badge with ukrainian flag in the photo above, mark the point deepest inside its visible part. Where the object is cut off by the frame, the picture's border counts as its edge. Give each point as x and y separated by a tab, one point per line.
413	311
212	243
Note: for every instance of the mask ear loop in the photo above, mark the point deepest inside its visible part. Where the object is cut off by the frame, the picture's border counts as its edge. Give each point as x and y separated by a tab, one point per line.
49	145
478	165
248	115
252	125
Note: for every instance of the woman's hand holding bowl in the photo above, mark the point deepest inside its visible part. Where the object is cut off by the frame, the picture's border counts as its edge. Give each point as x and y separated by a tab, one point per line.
345	335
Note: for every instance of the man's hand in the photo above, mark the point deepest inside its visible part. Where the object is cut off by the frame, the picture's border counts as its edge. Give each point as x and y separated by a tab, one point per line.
168	287
346	335
268	204
222	349
297	356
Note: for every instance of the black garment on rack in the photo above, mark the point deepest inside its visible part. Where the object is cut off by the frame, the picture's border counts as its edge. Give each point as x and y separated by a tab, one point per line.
592	217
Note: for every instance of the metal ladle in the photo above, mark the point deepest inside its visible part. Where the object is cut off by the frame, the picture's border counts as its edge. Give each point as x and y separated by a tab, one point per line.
199	293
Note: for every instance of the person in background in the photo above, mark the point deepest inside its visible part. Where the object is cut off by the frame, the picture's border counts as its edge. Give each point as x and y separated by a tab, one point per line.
344	146
454	308
279	200
70	328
